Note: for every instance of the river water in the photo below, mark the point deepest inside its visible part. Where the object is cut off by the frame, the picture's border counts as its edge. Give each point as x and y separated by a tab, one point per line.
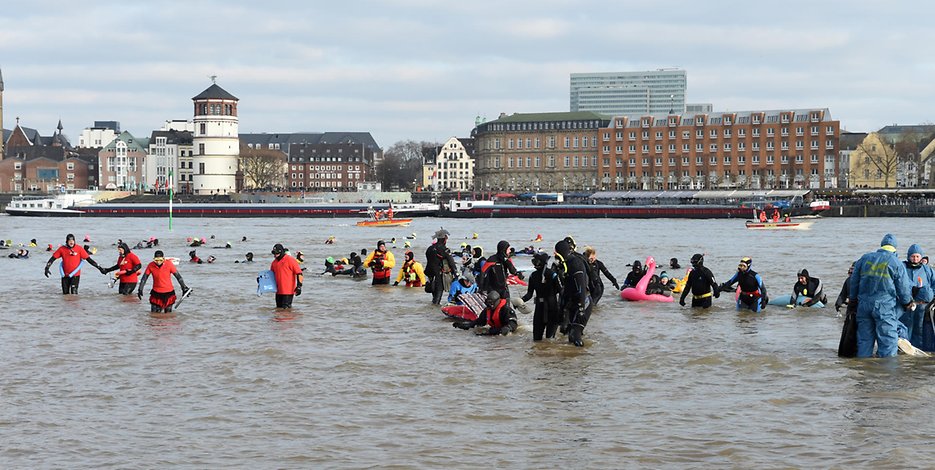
357	376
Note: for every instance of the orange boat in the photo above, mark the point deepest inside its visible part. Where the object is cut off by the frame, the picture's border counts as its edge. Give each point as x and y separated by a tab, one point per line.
384	223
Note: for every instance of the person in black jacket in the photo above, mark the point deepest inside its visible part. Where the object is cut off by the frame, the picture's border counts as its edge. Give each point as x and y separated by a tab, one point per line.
700	283
439	262
844	295
575	298
635	274
544	285
496	269
810	287
597	267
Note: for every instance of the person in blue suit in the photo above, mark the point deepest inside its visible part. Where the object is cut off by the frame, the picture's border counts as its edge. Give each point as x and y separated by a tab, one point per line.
752	289
921	278
880	286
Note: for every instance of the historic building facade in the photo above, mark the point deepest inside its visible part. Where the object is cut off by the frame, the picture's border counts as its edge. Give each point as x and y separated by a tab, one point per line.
215	141
753	150
542	152
451	166
328	167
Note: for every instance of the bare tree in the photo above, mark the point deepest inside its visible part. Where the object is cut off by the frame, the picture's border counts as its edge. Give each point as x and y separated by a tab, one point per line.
262	168
402	164
882	157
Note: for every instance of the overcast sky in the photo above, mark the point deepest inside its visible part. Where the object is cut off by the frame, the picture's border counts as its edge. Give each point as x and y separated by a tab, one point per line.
423	70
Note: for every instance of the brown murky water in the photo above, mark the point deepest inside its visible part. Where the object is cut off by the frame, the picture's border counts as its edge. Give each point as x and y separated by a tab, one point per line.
357	376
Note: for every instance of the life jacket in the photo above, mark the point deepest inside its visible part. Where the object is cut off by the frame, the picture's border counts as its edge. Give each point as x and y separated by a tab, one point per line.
410	275
380	273
494	319
748	284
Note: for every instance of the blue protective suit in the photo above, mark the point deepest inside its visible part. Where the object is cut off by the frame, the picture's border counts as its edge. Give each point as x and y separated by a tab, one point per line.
921	279
457	288
881	287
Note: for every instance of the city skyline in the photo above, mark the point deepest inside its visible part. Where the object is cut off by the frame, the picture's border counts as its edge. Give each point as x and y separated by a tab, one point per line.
422	71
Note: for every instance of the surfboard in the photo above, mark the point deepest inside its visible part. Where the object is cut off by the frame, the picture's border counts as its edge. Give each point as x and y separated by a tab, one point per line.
786	299
181	298
266	282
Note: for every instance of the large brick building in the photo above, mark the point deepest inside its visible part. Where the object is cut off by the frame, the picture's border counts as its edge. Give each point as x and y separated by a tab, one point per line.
538	152
754	149
328	167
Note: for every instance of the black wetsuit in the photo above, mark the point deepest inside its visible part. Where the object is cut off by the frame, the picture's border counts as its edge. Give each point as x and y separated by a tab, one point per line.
545	285
438	263
811	289
495	271
575	298
844	295
597	285
702	285
633	277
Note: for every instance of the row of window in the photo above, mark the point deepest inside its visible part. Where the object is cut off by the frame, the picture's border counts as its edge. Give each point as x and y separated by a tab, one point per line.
713	133
326	176
323	184
725	174
713	160
727	146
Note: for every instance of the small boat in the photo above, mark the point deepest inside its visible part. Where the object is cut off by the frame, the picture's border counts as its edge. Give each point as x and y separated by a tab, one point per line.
791	225
384	223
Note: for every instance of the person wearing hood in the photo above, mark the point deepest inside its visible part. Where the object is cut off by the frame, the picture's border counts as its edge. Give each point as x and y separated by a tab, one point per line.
193	257
128	269
498	316
248	258
636	273
809	287
496	270
162	296
381	262
575	300
544	285
700	283
597	267
674	263
411	271
922	278
329	267
73	257
288	275
439	263
843	298
752	288
477	263
882	290
464	285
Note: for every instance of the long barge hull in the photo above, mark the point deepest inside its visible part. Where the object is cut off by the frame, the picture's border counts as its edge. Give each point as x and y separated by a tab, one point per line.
603	212
223	210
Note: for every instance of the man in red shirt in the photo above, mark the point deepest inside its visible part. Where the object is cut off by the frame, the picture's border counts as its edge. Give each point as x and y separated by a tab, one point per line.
128	269
288	277
162	297
72	257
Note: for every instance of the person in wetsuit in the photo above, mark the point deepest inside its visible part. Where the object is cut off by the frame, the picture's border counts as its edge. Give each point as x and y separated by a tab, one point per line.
700	283
575	298
439	263
752	289
807	286
381	262
544	285
843	296
128	269
597	267
496	270
498	315
635	274
72	256
162	297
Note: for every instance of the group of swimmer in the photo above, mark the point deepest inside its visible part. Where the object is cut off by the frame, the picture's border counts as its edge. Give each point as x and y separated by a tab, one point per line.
887	297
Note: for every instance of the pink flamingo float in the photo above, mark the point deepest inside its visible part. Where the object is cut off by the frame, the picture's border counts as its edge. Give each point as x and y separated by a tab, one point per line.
639	292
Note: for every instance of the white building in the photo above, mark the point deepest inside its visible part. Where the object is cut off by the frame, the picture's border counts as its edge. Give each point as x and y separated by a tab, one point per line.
453	168
655	92
100	135
170	150
216	142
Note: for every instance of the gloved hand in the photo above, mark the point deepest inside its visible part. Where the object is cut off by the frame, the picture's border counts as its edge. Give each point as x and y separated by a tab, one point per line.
298	290
139	294
616	286
47	272
102	269
378	264
184	288
371	264
682	302
395	283
763	302
520	275
837	307
722	287
717	292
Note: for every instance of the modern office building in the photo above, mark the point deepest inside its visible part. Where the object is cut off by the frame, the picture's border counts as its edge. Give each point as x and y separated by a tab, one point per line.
754	149
629	93
541	152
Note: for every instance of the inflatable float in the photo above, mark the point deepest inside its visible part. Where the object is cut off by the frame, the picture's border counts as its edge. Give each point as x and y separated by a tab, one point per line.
787	300
265	282
638	293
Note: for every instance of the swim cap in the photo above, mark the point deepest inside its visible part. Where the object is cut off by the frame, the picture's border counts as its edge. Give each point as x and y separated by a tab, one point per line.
158	254
329	260
747	261
70	236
